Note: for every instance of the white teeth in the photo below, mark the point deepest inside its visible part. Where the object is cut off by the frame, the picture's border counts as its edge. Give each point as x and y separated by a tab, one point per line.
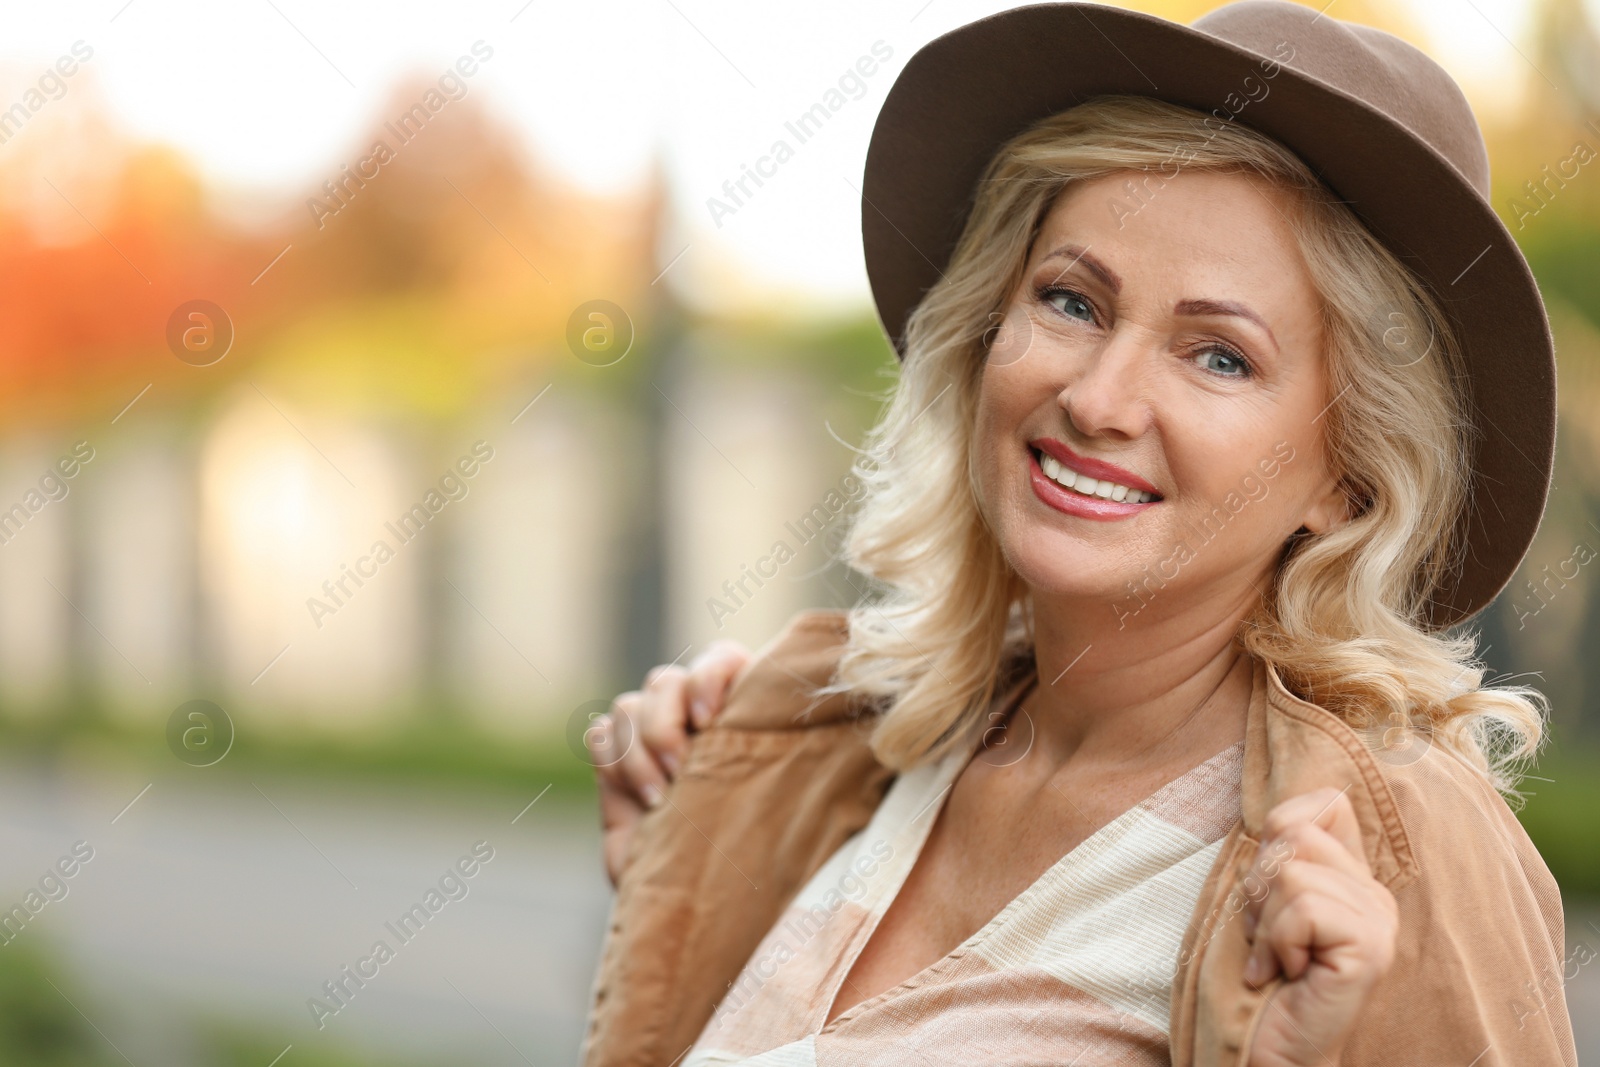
1070	478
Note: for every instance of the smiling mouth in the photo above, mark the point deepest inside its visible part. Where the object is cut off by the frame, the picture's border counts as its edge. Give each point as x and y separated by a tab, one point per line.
1084	485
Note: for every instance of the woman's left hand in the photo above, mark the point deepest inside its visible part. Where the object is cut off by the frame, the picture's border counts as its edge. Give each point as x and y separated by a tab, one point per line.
1324	922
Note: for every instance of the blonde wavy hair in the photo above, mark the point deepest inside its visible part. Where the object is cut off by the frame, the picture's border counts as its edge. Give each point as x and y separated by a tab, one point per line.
948	623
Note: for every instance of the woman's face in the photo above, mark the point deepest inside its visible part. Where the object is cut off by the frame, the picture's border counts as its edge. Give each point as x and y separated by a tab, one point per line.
1177	338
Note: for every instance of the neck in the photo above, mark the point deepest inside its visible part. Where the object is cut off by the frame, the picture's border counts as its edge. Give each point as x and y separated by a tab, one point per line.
1163	689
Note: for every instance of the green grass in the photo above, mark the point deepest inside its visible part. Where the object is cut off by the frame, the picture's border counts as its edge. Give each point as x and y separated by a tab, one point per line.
418	750
39	1027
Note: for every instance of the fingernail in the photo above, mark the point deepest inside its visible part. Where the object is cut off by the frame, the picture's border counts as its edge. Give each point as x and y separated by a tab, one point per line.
652	796
669	760
1252	969
1249	923
700	711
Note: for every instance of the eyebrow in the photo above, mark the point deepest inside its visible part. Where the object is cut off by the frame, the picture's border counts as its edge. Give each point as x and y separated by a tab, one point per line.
1091	264
1224	307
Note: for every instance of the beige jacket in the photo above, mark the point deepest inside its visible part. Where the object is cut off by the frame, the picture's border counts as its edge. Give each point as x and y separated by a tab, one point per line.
782	778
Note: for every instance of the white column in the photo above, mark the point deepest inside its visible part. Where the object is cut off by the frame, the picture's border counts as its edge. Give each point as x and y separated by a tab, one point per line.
749	512
139	580
533	626
35	616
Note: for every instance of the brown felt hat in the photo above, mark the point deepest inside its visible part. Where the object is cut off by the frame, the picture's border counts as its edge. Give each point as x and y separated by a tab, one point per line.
1382	124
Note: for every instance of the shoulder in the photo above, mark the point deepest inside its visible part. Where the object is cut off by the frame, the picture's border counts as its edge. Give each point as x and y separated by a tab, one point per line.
1481	927
1467	842
1437	827
1478	956
780	687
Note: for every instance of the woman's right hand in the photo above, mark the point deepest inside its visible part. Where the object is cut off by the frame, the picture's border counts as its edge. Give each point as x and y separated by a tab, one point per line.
638	746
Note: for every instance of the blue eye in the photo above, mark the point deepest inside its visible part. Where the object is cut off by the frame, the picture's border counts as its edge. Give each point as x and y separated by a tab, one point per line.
1234	365
1071	304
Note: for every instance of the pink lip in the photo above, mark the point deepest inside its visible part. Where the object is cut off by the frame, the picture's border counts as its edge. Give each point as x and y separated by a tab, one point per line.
1074	503
1097	469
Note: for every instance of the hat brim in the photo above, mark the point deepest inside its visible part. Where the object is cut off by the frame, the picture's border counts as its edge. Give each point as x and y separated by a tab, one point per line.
965	93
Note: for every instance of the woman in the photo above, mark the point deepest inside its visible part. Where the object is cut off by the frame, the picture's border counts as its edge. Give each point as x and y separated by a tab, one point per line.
1149	746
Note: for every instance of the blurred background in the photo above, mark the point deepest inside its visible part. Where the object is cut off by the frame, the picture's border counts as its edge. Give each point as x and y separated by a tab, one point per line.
384	387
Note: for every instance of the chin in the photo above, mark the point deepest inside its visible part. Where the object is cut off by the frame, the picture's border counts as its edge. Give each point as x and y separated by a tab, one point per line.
1052	563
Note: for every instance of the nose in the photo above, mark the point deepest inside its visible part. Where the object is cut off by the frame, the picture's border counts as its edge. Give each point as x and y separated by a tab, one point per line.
1110	396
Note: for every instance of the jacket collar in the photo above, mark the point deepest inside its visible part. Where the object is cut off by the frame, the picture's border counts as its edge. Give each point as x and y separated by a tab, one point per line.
1293	746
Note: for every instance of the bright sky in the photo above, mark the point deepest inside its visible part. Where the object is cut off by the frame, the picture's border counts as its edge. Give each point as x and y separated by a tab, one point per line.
268	97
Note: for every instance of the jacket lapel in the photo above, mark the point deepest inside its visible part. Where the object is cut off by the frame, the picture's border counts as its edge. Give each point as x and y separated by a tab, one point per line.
1291	747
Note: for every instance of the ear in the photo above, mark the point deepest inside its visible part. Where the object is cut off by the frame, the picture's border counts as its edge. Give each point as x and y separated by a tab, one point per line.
1328	510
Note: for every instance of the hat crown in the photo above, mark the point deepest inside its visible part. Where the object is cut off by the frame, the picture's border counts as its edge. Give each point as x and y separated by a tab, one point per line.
1372	66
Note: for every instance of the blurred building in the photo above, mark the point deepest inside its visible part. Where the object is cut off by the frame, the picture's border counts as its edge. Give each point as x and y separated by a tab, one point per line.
400	487
397	483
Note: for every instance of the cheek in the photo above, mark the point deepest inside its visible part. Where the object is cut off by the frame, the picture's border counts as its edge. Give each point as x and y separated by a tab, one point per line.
1002	406
1218	464
987	433
1298	482
1010	339
1203	457
1010	387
